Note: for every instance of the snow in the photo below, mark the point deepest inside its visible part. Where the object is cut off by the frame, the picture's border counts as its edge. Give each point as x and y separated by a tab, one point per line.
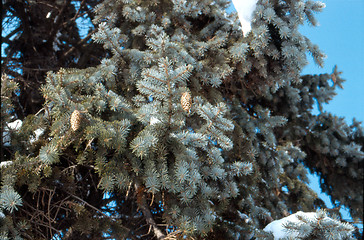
244	217
56	42
245	9
15	126
5	164
12	126
276	227
37	134
154	120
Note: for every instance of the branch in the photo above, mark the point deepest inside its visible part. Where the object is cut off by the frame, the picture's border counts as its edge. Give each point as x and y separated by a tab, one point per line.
78	44
7	38
57	23
94	208
142	204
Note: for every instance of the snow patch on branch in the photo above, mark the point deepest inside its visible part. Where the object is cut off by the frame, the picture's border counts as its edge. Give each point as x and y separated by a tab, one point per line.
154	120
37	134
302	224
245	9
15	126
12	126
277	227
57	42
5	164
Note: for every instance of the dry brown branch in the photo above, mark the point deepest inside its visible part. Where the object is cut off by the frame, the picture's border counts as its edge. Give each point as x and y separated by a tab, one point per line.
143	206
94	208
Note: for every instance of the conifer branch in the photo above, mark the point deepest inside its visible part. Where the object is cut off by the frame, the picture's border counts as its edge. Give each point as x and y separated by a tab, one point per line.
154	77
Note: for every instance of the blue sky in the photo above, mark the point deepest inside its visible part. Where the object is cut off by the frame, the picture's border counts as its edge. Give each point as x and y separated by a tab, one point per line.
341	37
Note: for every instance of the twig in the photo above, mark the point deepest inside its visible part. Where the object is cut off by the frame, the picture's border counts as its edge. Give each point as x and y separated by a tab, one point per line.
50	220
143	206
72	49
127	192
74	18
89	144
151	202
94	208
55	26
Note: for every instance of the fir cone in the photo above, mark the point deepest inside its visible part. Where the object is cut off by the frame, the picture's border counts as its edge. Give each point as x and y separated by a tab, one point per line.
186	101
75	120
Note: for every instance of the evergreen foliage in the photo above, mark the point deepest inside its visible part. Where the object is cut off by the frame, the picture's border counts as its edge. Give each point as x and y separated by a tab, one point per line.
115	152
320	227
311	225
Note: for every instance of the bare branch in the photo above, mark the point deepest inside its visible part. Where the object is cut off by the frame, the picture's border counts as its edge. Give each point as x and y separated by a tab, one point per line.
94	208
147	215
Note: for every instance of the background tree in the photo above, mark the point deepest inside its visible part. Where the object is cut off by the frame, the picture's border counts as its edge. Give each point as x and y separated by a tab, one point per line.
190	128
44	36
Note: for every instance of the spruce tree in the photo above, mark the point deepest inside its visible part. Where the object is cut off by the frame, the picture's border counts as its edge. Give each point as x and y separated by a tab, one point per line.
188	128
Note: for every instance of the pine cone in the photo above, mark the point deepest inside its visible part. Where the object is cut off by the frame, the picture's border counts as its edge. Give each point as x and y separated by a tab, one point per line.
186	101
75	120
